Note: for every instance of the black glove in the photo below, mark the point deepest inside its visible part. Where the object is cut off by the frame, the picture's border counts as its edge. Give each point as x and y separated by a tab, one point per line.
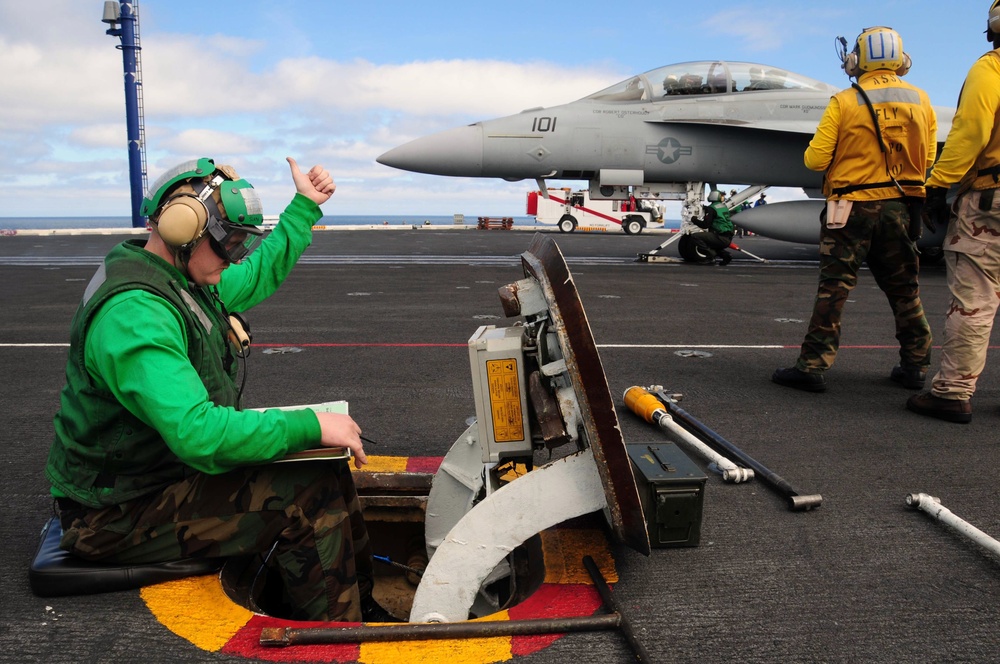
936	208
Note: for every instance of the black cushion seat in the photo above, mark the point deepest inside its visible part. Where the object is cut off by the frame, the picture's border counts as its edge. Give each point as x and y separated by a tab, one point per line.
55	572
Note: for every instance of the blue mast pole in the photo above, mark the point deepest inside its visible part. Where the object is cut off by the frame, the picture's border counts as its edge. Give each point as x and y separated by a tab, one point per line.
130	47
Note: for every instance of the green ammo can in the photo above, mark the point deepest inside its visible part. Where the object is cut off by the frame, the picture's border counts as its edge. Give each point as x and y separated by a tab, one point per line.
672	490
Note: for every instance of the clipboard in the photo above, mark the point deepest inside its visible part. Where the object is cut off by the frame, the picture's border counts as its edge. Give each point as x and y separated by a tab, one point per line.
316	453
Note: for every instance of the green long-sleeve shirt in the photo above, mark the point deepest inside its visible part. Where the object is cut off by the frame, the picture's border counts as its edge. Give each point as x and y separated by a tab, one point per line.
136	349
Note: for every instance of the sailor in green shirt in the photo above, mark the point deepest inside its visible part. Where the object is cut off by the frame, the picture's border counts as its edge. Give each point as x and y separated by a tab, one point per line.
714	241
153	458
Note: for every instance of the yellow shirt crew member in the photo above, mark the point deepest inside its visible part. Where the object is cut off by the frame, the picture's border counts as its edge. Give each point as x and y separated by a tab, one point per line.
875	141
846	147
970	158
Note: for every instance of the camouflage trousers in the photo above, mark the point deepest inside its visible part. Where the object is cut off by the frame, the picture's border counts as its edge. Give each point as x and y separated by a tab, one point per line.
307	516
876	233
972	256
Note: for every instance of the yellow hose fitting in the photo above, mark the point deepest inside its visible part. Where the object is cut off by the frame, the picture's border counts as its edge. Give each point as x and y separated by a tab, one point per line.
642	403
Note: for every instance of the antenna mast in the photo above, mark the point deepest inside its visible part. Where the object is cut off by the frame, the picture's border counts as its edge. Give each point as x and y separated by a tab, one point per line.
126	15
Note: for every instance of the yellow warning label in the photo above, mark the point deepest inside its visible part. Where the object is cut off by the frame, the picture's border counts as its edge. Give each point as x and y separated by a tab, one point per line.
505	400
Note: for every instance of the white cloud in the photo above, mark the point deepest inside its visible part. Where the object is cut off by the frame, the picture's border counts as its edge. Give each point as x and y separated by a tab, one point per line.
63	112
344	114
218	95
209	142
469	87
45	84
178	86
107	135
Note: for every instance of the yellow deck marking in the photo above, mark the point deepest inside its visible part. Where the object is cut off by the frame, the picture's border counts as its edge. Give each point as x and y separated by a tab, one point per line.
197	609
453	651
564	549
384	464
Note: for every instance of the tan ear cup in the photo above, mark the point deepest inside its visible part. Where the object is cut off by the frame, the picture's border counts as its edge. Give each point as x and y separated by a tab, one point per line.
905	67
182	221
851	67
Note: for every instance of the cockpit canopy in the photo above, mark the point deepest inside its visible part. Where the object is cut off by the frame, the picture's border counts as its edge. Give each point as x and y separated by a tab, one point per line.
706	78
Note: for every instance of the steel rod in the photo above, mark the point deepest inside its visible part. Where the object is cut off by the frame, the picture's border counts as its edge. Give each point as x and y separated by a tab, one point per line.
292	636
796	500
612	605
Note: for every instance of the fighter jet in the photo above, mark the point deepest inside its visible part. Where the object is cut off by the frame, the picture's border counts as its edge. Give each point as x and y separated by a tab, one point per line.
660	135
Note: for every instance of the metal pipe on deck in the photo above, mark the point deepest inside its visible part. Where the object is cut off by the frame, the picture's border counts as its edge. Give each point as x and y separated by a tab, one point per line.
797	502
292	636
932	505
649	408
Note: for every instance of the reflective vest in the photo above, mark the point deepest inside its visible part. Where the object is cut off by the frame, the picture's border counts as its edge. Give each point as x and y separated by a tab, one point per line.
722	224
103	454
859	169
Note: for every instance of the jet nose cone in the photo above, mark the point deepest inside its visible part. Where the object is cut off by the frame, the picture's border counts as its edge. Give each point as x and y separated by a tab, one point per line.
456	152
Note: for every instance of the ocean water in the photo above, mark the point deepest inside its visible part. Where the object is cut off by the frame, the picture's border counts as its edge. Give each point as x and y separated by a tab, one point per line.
54	223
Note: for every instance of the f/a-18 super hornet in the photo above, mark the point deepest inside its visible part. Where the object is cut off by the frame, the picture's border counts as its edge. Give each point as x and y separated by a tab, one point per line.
662	135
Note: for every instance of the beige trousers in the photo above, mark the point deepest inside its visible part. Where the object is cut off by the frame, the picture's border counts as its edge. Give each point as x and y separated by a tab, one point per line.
972	256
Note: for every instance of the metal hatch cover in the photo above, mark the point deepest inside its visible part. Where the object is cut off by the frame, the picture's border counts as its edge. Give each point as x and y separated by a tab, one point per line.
544	262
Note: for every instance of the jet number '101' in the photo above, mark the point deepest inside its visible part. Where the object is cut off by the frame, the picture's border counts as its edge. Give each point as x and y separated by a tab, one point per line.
543	124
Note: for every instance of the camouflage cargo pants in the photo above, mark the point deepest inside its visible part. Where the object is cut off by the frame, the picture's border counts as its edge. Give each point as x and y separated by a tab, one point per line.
306	515
972	255
876	232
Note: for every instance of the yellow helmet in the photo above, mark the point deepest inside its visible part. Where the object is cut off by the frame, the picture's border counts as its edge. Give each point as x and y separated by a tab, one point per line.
993	21
878	48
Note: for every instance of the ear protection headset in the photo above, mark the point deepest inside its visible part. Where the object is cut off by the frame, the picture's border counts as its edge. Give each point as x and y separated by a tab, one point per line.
876	48
183	219
993	21
198	199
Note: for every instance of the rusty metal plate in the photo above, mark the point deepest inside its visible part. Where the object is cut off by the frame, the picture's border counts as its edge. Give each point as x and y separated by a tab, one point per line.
544	262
